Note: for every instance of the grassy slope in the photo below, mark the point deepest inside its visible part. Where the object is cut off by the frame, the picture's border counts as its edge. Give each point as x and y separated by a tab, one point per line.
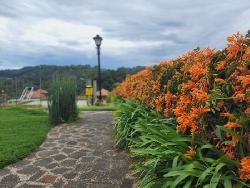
21	131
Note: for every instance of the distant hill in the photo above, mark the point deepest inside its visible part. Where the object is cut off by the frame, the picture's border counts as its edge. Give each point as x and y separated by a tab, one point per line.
30	76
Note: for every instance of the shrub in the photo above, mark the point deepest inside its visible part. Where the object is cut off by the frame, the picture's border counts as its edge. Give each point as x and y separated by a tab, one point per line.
207	92
62	100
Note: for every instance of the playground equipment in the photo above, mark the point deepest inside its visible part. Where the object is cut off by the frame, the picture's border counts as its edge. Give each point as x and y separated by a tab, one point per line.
26	94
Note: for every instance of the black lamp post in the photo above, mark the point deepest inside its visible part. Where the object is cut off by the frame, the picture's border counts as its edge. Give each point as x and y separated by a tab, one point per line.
98	42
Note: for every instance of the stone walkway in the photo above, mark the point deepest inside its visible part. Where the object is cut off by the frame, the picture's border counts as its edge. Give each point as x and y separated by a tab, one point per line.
78	155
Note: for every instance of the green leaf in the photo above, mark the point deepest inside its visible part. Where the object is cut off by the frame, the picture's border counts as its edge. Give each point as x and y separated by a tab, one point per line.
219	166
214	180
178	180
227	183
207	186
205	174
188	183
175	162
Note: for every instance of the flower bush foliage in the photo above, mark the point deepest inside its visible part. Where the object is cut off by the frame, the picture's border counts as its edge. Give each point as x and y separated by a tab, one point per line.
207	92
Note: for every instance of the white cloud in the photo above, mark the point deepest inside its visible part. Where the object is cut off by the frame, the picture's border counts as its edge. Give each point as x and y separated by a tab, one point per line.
5	35
59	33
134	31
46	33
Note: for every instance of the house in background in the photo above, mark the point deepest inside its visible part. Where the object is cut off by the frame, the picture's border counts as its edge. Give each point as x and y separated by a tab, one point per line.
39	94
104	92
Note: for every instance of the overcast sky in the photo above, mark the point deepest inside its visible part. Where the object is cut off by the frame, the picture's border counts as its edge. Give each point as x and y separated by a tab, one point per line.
135	32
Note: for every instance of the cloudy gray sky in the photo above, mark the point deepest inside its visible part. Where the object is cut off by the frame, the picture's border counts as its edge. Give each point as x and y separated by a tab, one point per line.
135	32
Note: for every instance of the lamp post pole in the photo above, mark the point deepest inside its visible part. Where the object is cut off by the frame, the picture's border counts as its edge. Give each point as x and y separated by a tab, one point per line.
99	74
98	41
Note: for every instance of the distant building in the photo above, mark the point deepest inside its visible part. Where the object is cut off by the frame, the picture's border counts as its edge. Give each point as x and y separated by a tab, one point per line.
39	94
104	92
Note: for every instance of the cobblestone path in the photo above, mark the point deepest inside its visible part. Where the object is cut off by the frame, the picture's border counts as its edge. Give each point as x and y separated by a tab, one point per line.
81	155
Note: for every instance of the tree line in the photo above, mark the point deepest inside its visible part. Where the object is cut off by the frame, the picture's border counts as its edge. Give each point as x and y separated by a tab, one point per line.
12	82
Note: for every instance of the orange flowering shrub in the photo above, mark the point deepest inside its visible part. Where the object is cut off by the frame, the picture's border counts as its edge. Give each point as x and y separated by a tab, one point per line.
207	91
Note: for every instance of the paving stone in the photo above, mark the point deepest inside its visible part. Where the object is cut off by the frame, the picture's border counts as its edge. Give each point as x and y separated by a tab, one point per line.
88	135
71	143
45	153
37	175
61	170
43	162
101	165
76	184
102	177
58	184
22	163
31	169
87	176
102	185
78	154
31	186
68	163
4	172
9	181
83	167
68	150
48	179
89	158
49	145
52	165
59	157
70	175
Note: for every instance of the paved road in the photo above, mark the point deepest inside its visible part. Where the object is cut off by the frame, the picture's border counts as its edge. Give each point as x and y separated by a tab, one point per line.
81	154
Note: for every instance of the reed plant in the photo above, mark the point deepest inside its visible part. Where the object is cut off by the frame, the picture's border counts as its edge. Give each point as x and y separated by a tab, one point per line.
62	99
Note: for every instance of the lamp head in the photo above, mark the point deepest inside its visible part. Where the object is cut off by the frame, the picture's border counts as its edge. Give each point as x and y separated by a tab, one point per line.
98	40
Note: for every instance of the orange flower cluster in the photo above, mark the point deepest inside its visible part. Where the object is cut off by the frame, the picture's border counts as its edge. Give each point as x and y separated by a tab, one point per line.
219	81
245	168
201	89
221	65
170	100
231	125
235	43
191	152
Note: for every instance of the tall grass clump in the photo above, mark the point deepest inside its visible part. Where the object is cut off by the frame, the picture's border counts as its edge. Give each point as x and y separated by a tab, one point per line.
62	99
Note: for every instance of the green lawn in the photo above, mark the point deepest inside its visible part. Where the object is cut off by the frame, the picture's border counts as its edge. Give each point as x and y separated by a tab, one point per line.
105	107
21	132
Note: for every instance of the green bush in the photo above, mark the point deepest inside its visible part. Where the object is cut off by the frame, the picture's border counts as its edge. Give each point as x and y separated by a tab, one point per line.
62	100
161	153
